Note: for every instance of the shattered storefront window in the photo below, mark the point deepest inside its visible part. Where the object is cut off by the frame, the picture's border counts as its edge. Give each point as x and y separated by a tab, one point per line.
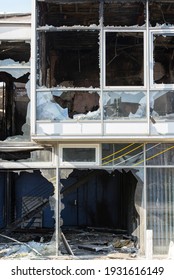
163	56
100	211
124	59
124	104
162	104
29	208
68	105
122	154
122	13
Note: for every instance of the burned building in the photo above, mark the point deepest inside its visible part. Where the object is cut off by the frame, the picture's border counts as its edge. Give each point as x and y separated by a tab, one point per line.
91	141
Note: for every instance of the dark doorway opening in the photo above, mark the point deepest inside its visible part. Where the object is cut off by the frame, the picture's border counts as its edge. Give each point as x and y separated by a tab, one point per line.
98	200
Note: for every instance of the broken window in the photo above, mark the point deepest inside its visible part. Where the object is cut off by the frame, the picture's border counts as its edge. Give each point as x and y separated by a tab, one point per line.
122	154
72	13
122	104
14	78
161	12
27	211
69	59
66	105
19	51
163	55
26	154
119	13
162	104
124	59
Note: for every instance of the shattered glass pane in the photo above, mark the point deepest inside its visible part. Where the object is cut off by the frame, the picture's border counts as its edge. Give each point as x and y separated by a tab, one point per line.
122	154
163	59
66	105
124	14
124	104
162	104
124	59
79	155
48	109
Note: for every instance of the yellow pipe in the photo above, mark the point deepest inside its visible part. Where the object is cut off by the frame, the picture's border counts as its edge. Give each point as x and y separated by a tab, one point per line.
118	151
155	155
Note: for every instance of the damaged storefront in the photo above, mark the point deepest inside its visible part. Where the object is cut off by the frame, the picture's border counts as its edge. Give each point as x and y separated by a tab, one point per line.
104	97
87	129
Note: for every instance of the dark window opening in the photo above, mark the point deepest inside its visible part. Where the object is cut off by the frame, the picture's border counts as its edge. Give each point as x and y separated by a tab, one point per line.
124	14
124	59
69	59
161	12
18	51
163	59
13	105
69	14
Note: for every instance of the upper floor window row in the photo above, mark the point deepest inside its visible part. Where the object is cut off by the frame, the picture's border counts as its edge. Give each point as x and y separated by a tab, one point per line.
110	13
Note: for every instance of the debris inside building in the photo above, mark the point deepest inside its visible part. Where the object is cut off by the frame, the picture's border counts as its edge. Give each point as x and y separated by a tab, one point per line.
86	129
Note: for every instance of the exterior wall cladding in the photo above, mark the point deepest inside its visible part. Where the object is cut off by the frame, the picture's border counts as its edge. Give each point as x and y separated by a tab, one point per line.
98	131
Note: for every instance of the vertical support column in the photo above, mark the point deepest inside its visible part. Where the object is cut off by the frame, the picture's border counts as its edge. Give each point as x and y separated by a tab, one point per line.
149	244
33	69
8	201
101	57
147	46
144	203
57	206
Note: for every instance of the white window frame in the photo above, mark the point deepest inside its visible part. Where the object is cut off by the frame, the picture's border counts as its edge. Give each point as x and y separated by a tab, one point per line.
153	86
78	164
129	87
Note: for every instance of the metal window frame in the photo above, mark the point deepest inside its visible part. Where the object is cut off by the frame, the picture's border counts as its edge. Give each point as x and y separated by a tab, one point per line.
165	32
78	164
123	30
